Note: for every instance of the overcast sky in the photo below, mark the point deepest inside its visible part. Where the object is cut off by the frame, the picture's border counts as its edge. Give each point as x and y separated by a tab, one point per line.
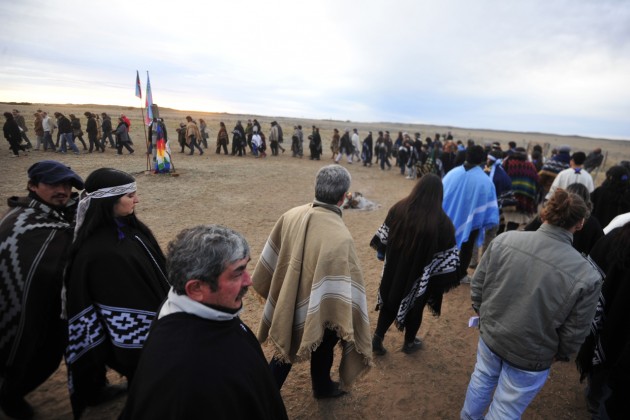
550	66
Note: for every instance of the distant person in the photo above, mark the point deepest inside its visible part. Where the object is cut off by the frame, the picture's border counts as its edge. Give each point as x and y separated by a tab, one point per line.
122	137
204	135
201	361
38	127
448	155
612	198
276	131
356	145
92	131
193	136
502	185
368	150
593	160
526	326
49	129
460	158
421	262
222	139
537	157
273	138
65	132
345	147
77	132
300	135
258	146
525	179
381	149
575	173
13	135
470	200
19	119
309	274
35	234
334	144
295	138
604	358
115	281
181	137
126	120
315	144
238	140
511	148
558	162
107	129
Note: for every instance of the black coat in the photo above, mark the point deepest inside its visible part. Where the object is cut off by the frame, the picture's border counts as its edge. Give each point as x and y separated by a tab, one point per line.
12	130
196	368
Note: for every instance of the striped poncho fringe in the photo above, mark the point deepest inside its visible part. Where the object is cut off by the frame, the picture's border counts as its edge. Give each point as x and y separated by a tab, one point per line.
309	275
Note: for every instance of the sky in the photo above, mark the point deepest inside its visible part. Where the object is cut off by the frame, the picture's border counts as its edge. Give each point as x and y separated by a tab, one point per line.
552	66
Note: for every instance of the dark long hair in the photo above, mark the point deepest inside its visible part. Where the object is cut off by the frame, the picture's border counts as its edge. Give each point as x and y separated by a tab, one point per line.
617	179
101	210
416	217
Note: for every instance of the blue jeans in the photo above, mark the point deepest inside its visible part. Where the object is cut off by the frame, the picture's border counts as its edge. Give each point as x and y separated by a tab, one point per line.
515	388
48	141
68	140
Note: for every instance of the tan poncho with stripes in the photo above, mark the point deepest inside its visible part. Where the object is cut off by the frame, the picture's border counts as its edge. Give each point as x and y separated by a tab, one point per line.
310	275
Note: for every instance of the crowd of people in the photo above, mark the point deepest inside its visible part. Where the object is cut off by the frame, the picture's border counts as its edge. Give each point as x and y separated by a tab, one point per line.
504	214
60	134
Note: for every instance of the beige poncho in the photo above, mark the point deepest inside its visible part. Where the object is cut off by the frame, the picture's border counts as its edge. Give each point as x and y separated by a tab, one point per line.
310	275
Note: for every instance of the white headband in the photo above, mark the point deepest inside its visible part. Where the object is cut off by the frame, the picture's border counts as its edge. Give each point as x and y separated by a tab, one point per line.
106	192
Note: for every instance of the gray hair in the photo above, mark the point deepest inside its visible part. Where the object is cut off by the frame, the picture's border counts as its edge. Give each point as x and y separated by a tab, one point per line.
331	183
202	253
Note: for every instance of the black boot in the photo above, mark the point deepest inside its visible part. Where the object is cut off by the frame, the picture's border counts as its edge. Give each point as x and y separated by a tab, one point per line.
377	346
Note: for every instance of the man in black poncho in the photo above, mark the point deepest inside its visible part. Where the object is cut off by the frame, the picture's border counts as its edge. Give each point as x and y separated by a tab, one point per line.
201	360
34	236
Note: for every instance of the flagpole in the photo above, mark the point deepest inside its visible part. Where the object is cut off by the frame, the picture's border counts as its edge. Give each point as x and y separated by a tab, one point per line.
144	126
149	104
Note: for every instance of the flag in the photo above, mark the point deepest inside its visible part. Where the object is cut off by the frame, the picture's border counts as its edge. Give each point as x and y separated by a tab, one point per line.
149	103
163	151
138	89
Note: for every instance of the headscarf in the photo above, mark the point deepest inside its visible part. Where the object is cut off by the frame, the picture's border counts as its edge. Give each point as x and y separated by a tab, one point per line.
110	186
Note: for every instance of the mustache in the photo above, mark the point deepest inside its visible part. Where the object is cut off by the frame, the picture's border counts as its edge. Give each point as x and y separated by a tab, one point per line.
60	195
242	292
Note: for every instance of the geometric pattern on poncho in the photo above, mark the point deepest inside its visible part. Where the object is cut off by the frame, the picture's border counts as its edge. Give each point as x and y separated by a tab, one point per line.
126	328
442	263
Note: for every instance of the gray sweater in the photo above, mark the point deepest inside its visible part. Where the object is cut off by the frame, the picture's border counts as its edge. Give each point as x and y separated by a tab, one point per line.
536	297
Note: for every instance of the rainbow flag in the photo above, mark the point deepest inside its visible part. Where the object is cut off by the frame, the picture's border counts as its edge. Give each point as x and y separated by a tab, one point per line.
163	152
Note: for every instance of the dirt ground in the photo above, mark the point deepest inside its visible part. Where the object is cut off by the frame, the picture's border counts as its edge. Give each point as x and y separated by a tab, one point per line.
248	195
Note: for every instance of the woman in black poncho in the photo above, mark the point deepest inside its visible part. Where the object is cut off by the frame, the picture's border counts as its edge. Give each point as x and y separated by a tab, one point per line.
417	242
612	198
115	283
604	357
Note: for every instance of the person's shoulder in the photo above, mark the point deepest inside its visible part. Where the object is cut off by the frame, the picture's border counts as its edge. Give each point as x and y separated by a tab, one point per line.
15	201
565	172
298	209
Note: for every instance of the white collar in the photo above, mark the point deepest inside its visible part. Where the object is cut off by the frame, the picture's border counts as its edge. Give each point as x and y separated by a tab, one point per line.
182	303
